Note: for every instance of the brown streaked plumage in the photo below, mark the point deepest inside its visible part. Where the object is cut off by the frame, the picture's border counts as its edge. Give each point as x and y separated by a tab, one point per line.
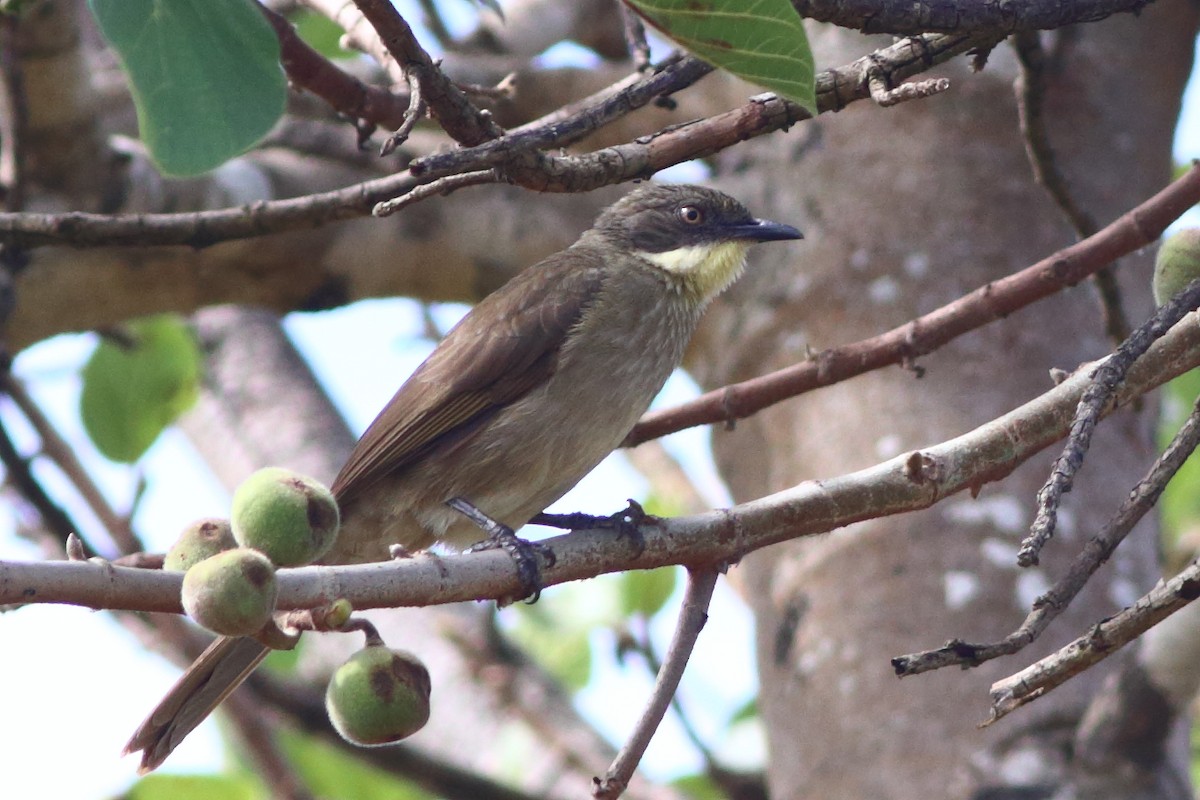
533	388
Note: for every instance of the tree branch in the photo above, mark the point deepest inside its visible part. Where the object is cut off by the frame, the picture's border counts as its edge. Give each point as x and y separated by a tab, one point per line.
901	17
909	482
904	344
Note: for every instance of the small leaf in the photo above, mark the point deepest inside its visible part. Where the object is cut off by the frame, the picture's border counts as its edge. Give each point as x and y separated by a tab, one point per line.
560	646
699	787
333	774
205	76
320	33
748	711
645	591
194	787
761	41
134	389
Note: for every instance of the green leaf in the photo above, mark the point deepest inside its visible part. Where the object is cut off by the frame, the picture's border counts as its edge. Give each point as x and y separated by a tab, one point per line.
320	33
195	787
645	591
559	644
762	41
699	787
333	774
748	712
205	76
1180	502
134	389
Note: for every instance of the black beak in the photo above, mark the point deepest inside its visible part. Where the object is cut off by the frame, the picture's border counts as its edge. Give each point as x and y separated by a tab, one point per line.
762	230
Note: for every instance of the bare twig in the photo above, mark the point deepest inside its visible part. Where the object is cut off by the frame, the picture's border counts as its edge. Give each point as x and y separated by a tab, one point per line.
1031	91
19	474
1104	639
435	23
887	96
692	617
1104	382
452	109
62	454
1097	550
1131	231
559	129
635	38
442	186
902	17
344	93
416	110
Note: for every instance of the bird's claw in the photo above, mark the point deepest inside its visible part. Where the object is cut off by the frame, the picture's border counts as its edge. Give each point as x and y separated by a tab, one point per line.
525	554
625	522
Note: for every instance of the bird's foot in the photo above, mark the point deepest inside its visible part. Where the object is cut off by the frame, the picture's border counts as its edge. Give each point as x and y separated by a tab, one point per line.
525	554
625	522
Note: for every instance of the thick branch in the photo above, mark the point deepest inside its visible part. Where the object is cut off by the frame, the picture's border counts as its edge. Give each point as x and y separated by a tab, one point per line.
903	17
909	482
638	159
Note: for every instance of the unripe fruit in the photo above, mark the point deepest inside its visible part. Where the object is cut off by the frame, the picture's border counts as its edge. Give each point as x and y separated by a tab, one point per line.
291	518
1177	264
379	696
202	539
233	593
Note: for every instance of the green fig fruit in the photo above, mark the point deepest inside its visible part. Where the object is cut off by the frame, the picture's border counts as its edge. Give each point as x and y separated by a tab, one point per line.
232	593
200	540
291	518
1177	264
379	696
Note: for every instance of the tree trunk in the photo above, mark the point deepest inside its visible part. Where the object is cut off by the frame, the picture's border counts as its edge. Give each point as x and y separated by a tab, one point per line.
905	210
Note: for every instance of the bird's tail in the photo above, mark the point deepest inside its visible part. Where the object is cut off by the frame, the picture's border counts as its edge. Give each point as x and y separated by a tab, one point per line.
218	671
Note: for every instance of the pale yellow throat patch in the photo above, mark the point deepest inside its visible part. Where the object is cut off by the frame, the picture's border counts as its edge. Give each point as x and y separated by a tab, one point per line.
705	269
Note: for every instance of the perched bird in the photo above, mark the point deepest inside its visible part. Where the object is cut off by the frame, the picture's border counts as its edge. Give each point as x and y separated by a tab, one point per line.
532	389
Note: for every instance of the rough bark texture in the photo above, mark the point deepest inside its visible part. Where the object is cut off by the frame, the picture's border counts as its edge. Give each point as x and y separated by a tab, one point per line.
904	210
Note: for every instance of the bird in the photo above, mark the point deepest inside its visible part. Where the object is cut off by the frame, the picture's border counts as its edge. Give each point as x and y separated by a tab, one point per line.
539	382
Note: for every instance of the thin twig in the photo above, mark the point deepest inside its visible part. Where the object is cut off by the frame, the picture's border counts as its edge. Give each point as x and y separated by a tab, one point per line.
559	129
1104	639
19	474
1131	231
62	454
1104	383
453	110
740	785
308	69
1030	87
635	38
1097	550
442	186
416	110
435	24
692	617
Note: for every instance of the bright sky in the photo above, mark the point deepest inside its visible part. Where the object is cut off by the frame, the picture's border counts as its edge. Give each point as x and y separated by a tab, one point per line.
78	684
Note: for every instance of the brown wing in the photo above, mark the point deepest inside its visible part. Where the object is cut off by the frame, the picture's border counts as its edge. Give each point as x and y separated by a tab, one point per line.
506	346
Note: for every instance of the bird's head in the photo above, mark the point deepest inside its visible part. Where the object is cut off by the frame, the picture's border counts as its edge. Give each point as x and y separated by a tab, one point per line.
697	235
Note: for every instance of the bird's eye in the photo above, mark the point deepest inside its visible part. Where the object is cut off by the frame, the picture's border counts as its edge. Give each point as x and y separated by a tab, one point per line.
690	215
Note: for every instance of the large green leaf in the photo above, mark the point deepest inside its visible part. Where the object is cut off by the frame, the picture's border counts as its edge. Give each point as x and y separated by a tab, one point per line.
136	386
762	41
205	76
